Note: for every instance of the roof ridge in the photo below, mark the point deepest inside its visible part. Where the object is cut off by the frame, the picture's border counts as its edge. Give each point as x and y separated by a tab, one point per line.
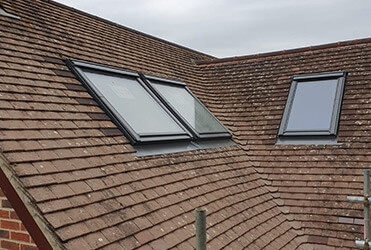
127	28
285	52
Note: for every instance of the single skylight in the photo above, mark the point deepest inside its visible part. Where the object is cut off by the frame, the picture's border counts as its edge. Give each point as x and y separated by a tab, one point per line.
312	110
190	110
145	116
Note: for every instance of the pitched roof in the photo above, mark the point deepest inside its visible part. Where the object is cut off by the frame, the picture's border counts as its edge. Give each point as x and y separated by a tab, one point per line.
312	181
82	187
74	171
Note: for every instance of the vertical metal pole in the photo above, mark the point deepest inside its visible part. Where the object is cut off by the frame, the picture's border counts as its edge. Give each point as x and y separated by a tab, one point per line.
366	205
201	229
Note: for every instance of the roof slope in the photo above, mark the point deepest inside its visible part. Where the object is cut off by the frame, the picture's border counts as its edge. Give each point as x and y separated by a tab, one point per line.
77	168
312	181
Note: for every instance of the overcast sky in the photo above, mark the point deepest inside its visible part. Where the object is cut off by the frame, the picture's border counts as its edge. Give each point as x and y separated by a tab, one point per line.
225	28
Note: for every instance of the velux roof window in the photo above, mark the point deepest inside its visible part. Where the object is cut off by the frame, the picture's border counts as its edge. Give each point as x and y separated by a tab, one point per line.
312	111
149	109
4	13
197	118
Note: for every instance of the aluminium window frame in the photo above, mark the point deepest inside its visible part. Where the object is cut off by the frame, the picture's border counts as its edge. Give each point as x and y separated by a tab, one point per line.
77	66
314	134
201	136
3	12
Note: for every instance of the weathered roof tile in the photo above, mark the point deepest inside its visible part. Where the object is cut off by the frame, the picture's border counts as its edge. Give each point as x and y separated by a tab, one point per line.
80	173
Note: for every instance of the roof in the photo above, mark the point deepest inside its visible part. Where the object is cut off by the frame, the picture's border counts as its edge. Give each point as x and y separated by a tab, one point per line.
312	181
75	178
286	52
85	189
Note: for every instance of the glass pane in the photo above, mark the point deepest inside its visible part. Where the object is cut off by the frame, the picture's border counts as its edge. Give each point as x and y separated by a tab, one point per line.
312	105
134	104
191	109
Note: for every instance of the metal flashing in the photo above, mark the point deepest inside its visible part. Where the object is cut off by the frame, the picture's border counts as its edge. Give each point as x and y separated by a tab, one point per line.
178	147
321	75
156	78
307	140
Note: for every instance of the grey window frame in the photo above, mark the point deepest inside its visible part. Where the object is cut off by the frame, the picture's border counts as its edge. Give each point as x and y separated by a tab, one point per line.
77	66
3	12
327	136
205	135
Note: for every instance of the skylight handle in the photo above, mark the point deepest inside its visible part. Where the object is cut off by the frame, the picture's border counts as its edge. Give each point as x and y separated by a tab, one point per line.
366	210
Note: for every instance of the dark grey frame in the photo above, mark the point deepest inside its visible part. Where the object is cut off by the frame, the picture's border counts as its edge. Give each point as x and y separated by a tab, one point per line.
76	67
147	79
314	135
3	12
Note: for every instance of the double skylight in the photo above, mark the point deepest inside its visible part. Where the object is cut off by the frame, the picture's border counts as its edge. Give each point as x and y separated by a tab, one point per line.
149	109
312	111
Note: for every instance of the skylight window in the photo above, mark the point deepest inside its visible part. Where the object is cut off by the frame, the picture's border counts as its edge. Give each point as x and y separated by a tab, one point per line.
149	109
180	100
130	104
312	111
4	13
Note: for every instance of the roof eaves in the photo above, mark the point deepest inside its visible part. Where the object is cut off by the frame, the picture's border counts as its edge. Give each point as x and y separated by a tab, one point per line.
44	238
285	52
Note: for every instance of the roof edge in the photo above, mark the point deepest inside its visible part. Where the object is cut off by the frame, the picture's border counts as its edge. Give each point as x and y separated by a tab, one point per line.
285	52
20	201
127	28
